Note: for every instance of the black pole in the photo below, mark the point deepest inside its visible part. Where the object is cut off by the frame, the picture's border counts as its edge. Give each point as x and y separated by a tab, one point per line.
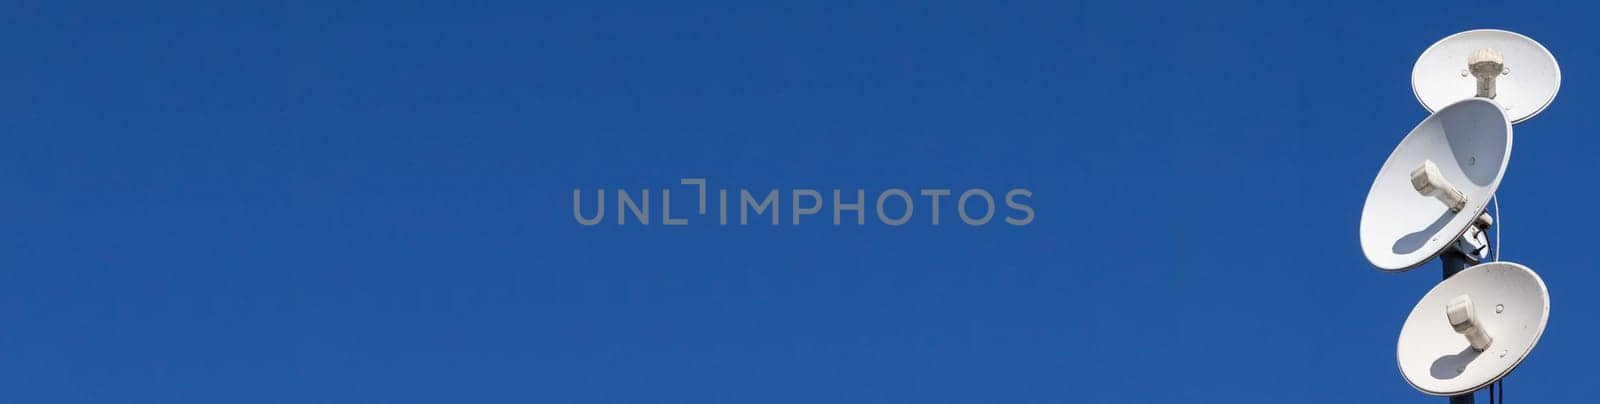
1454	262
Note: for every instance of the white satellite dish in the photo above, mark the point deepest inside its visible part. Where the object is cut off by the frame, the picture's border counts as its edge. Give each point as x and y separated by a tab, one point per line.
1473	328
1524	86
1435	184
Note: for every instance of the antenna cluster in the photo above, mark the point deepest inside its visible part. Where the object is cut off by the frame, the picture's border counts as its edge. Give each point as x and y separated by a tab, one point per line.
1430	199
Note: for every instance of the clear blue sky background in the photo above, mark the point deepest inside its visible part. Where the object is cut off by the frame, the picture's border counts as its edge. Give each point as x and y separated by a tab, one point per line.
371	202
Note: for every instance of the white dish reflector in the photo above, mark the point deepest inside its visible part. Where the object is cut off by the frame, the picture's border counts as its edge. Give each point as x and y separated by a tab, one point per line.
1460	151
1509	306
1526	86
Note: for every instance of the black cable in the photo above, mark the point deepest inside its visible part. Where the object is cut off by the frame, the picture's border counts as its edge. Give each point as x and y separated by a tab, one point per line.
1491	393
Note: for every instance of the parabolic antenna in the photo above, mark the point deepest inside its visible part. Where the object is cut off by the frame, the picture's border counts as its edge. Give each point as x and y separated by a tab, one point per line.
1473	328
1435	184
1524	74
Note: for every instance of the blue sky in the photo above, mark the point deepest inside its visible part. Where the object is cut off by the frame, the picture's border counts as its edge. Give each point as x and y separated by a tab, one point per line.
371	202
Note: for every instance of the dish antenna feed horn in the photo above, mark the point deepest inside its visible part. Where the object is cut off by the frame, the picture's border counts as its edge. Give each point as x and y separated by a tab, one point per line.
1486	65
